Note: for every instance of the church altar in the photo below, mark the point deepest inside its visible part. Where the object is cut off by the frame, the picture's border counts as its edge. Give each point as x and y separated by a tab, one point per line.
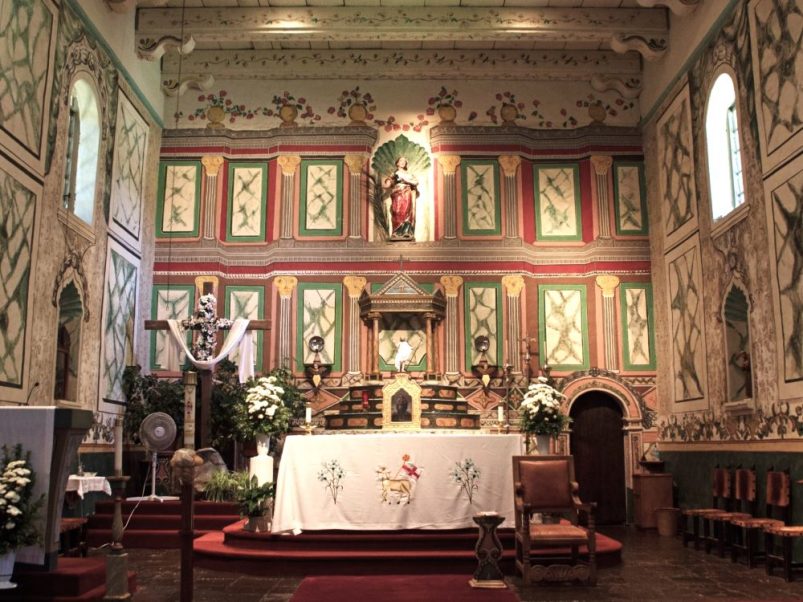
394	481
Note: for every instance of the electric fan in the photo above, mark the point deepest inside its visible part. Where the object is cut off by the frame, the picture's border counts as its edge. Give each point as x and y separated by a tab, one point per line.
157	433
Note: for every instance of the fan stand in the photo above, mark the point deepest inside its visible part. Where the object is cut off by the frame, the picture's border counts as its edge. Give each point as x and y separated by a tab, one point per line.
153	497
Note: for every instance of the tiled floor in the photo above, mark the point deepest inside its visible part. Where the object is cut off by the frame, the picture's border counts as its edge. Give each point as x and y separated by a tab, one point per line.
653	568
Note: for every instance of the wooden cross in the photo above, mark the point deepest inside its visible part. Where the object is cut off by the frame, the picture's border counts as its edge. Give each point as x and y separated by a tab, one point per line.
204	438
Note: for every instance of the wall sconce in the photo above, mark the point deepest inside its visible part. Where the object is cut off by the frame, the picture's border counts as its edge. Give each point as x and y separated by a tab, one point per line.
317	369
482	368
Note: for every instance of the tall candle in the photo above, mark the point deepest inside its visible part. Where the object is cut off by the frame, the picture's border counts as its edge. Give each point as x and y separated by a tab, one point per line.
308	415
118	446
500	413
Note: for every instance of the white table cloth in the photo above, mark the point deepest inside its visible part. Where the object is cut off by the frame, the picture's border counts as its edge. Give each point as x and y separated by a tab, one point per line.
394	481
83	485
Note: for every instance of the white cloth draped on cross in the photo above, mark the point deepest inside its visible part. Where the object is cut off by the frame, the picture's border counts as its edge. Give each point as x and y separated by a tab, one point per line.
207	324
238	334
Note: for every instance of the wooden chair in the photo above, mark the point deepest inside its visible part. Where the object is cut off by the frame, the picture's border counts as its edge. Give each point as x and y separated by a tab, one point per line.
721	486
715	530
785	534
551	551
745	532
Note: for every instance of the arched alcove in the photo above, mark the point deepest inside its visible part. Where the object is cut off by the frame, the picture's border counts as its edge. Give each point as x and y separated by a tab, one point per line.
83	148
68	344
736	319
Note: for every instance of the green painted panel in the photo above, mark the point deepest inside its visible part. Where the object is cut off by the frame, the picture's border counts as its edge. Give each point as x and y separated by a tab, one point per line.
178	207
482	208
629	198
321	211
563	326
558	212
169	302
320	313
638	333
483	316
246	302
246	211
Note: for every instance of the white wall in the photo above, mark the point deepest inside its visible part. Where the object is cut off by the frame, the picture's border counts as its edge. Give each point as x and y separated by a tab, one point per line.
119	33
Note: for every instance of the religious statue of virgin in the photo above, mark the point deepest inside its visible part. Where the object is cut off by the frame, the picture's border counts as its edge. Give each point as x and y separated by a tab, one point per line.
403	188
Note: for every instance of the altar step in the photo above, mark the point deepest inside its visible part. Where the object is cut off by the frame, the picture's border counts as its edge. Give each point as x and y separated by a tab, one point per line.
340	552
156	524
75	580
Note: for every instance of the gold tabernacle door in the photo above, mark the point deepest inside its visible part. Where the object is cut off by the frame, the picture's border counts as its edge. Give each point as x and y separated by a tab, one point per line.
401	404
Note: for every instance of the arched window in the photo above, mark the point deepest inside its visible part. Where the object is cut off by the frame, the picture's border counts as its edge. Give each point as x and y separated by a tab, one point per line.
725	178
83	148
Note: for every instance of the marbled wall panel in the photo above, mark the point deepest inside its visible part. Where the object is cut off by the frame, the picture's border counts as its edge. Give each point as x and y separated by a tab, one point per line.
128	175
481	199
558	215
687	311
483	317
784	192
179	208
248	188
321	198
320	310
246	302
676	159
629	199
777	44
119	335
18	198
28	39
563	326
169	302
637	326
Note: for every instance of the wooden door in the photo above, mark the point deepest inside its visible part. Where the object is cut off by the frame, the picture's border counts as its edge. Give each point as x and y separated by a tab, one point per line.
597	444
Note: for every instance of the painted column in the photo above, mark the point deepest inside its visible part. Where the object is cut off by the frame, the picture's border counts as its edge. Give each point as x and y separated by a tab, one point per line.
211	169
288	164
451	285
430	369
602	165
355	286
513	285
449	165
374	318
285	285
355	164
608	284
510	166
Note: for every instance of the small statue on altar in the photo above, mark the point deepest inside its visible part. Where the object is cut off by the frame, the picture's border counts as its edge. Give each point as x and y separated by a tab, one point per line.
404	354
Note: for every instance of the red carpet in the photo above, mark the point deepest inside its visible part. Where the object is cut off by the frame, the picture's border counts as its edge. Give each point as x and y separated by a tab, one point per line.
75	580
156	524
397	588
359	552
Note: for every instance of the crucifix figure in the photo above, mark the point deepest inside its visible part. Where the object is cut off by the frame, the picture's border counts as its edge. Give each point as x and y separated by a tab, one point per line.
206	323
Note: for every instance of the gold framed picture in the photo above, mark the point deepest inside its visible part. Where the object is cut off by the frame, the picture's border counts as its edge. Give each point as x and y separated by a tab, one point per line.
401	404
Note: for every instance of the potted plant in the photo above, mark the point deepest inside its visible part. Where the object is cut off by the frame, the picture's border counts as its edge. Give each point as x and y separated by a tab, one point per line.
541	415
256	502
265	412
224	486
18	509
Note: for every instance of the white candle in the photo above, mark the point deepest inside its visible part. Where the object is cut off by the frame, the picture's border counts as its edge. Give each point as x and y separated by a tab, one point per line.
118	446
500	413
308	415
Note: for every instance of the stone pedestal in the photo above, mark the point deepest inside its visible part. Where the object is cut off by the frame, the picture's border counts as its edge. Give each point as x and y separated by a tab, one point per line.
488	552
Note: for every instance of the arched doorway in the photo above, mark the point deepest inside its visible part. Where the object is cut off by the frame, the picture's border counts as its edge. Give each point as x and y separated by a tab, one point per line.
597	444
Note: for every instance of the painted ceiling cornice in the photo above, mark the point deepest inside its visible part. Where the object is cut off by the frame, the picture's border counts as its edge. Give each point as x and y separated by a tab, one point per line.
255	27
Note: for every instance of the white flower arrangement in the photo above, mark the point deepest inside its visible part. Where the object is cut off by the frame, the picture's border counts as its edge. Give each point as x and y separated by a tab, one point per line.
540	410
267	412
17	506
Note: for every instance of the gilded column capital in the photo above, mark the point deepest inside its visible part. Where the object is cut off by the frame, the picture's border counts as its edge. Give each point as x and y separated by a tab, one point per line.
451	284
211	164
355	163
601	163
509	164
608	284
513	284
355	285
285	285
449	163
289	164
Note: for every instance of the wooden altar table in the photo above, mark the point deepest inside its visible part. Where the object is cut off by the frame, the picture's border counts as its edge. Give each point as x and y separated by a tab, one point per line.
394	481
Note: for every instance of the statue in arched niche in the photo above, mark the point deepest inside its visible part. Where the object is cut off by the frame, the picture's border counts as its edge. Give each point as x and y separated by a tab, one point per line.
399	166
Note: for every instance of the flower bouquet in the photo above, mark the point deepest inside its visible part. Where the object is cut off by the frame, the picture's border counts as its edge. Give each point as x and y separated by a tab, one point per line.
540	410
266	412
18	509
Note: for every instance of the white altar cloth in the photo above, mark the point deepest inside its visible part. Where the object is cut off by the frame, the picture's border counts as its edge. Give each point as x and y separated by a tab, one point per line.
84	484
394	481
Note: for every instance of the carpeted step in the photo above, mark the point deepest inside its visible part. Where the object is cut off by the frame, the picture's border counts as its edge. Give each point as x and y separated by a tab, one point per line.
145	538
141	522
75	579
202	508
